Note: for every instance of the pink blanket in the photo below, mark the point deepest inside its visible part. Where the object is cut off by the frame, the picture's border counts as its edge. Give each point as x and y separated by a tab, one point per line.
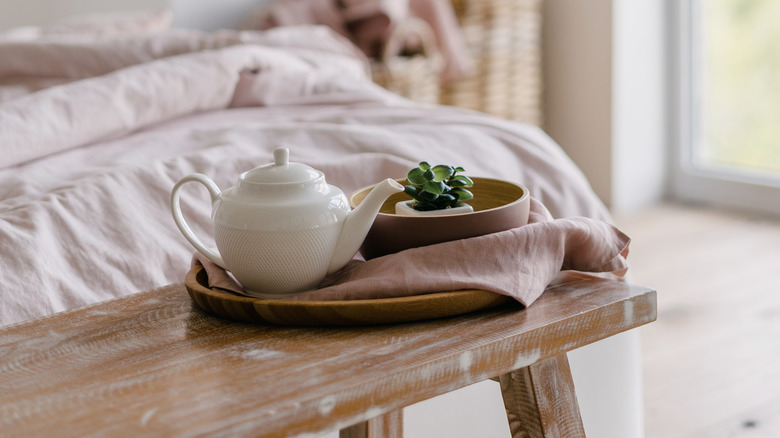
86	167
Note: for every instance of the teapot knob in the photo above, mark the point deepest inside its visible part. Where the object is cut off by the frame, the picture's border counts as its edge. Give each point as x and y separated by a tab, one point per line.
281	157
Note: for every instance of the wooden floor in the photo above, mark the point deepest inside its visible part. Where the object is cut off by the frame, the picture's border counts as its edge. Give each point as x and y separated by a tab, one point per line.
712	359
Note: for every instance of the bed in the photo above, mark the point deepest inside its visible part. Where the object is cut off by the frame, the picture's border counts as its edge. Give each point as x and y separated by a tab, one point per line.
97	125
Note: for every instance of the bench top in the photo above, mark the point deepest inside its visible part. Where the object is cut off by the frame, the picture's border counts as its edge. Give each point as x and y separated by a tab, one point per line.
153	364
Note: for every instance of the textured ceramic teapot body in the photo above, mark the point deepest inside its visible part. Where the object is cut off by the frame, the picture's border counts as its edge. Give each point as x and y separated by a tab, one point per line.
282	228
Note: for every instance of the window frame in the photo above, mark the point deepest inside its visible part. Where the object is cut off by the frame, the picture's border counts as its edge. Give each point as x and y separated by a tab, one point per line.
693	181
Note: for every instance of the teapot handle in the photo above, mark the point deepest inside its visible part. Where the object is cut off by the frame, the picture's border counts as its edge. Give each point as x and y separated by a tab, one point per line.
182	224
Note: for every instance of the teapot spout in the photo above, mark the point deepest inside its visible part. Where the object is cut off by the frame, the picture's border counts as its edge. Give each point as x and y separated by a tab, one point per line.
359	221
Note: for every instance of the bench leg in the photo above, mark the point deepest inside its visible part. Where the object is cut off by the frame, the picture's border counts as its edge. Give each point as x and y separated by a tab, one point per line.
540	401
389	425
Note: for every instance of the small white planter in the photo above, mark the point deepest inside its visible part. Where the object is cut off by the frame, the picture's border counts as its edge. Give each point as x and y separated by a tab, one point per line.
404	208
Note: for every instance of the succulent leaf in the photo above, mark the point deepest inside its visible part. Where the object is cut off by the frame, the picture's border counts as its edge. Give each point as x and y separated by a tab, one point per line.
442	172
463	194
447	199
427	196
466	181
411	191
415	176
434	187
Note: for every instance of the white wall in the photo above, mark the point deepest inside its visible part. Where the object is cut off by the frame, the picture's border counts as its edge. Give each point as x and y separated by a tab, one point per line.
200	14
605	92
15	13
640	93
577	56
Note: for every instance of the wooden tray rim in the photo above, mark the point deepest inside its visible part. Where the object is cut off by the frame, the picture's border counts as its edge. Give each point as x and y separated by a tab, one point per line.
451	298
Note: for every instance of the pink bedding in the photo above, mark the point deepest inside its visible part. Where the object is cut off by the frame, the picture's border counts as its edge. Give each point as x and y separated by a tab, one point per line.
86	166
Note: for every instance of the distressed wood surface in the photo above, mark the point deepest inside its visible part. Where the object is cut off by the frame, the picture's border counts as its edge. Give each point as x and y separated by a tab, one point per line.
390	425
152	364
540	400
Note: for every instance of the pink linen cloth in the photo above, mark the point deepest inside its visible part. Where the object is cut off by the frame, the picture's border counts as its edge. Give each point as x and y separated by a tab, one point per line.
518	263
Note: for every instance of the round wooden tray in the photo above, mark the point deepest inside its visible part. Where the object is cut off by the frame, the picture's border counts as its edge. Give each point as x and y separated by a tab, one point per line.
336	313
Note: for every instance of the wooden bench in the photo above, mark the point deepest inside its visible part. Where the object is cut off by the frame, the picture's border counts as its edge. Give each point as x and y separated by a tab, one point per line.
151	364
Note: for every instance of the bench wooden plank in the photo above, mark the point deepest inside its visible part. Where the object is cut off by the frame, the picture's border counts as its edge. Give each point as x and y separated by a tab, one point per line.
151	364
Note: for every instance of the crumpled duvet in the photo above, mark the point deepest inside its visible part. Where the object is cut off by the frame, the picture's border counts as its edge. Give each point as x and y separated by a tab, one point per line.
86	166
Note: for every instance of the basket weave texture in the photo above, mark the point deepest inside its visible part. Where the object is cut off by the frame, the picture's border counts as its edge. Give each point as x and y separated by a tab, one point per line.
415	77
504	39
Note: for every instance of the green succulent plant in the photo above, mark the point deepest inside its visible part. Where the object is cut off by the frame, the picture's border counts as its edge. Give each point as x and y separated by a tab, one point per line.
437	187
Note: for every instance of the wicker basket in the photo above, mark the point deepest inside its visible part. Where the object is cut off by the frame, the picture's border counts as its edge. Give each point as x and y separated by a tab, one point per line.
415	77
504	38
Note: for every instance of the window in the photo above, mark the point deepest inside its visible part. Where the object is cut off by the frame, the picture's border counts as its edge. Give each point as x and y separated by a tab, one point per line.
727	77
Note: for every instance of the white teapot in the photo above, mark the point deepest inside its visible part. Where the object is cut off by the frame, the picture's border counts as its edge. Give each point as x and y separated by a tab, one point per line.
282	228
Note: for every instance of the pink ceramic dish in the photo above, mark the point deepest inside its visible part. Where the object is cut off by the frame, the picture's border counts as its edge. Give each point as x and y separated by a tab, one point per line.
498	206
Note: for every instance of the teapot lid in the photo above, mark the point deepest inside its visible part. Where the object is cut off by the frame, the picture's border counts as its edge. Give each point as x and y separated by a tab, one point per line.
282	171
